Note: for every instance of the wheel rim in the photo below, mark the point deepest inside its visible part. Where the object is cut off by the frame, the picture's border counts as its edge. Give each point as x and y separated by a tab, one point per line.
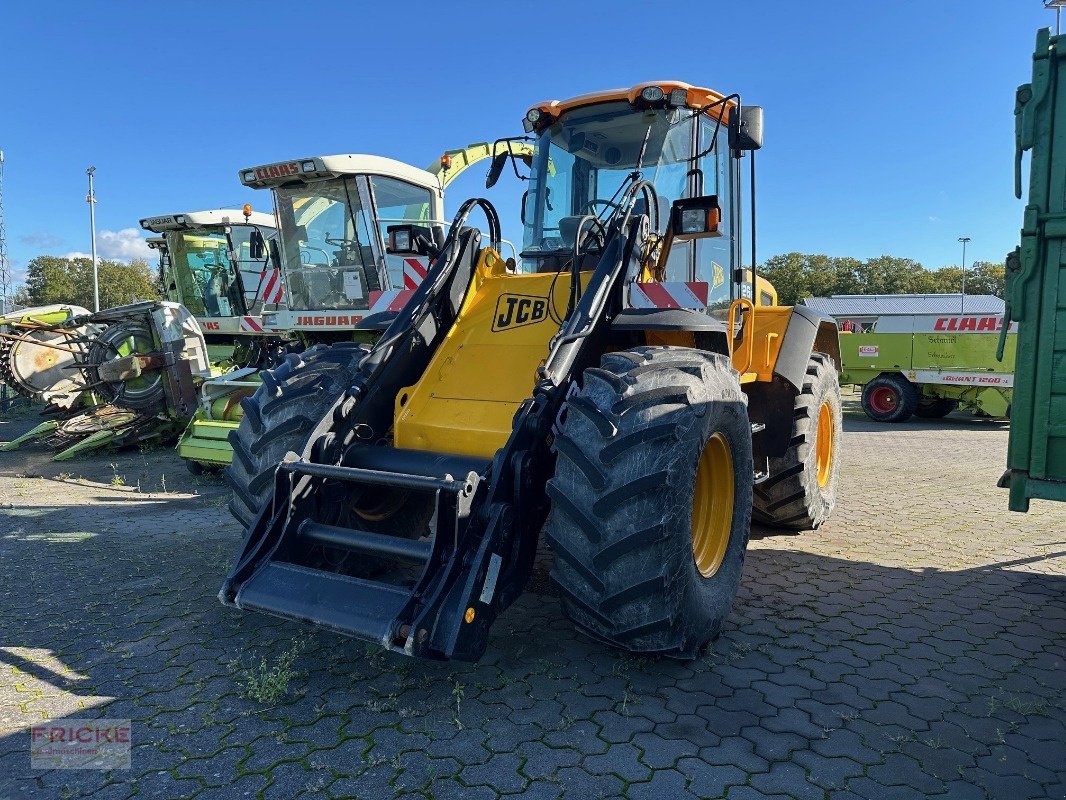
712	505
824	444
883	400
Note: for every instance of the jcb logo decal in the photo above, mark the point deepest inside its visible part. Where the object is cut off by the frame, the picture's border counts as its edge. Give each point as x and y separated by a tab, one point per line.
515	310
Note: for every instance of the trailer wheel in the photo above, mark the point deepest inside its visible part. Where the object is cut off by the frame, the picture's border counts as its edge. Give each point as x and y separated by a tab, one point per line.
802	488
651	499
890	398
935	407
279	417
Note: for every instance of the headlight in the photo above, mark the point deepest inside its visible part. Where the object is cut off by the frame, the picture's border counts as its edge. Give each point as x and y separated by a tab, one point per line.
180	219
308	166
534	115
249	176
693	220
652	94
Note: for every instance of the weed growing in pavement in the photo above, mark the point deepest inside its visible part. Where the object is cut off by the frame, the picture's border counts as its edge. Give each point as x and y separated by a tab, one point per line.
268	682
116	479
1025	708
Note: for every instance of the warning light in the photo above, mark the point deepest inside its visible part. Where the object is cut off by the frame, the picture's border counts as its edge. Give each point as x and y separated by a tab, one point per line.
446	161
469	615
247	210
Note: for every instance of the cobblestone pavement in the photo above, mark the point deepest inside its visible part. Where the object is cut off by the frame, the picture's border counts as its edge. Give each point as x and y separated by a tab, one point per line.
911	648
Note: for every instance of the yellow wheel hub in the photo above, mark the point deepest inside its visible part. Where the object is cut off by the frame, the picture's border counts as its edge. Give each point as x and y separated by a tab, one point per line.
712	505
824	444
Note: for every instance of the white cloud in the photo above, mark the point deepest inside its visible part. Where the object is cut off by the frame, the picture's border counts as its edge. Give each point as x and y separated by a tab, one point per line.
124	245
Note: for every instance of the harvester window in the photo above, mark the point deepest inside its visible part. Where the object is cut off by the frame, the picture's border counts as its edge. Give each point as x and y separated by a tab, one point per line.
398	202
329	244
203	274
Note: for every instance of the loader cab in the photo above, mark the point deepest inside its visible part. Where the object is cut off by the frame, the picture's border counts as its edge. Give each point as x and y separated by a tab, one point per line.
216	263
333	213
587	148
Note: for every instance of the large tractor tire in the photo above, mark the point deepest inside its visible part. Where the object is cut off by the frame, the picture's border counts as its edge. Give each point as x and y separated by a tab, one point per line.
279	418
935	407
890	398
651	499
802	488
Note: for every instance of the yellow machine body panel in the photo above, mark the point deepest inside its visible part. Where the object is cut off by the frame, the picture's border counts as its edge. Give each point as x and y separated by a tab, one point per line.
755	354
486	365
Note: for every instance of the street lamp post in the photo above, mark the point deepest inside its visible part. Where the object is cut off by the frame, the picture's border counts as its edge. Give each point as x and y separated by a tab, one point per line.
964	240
1057	5
91	200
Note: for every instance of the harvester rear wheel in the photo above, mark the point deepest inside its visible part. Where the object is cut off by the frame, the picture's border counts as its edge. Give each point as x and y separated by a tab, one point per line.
802	488
890	398
279	417
935	407
651	499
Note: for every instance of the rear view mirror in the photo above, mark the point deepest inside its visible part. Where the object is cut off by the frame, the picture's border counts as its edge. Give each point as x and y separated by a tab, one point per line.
745	129
256	245
499	161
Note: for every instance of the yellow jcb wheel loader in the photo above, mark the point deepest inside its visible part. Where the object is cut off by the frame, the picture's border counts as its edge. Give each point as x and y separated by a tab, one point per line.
620	392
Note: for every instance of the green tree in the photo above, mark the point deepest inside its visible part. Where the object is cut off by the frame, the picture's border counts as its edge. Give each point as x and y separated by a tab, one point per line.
800	275
948	280
52	279
985	277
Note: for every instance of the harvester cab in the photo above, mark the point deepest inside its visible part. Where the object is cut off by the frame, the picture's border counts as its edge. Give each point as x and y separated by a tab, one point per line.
218	265
332	213
619	392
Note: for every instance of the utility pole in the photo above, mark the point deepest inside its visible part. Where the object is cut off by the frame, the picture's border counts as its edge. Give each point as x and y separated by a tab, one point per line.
91	200
5	266
964	240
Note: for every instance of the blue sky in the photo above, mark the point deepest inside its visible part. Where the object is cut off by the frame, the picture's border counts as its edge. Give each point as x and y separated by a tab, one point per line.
889	126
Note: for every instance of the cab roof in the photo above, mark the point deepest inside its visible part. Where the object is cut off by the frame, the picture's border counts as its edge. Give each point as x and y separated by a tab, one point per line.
314	168
695	97
199	219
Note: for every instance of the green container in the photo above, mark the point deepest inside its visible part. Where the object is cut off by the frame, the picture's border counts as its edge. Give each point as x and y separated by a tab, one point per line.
1036	286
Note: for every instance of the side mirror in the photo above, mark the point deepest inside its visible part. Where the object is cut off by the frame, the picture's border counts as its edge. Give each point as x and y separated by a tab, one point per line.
695	218
499	161
745	129
411	240
256	245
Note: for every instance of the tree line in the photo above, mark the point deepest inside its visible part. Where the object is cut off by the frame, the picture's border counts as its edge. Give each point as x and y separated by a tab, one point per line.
55	279
800	275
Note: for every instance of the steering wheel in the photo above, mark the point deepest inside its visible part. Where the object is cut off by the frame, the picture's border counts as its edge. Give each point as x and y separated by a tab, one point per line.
591	206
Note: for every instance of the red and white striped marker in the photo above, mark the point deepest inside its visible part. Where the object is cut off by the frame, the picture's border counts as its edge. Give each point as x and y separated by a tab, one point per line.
251	325
272	290
670	294
392	300
414	272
